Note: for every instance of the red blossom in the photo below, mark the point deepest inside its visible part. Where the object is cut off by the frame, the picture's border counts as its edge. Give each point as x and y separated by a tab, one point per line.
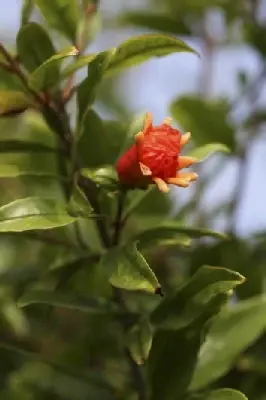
154	158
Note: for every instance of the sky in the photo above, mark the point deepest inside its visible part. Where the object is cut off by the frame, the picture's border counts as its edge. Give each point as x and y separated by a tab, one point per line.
153	85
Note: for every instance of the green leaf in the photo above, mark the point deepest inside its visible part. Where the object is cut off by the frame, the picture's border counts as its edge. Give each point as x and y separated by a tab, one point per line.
135	51
172	228
30	164
79	203
30	52
141	48
223	394
48	74
12	102
61	15
171	363
129	270
70	300
33	213
139	341
27	9
235	329
207	120
203	152
106	136
87	89
82	62
191	301
155	21
161	236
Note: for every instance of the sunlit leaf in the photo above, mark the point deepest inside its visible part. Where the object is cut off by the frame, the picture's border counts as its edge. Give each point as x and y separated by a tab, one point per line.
33	213
12	102
48	74
129	270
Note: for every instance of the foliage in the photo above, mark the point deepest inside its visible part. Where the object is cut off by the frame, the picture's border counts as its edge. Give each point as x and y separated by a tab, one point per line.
107	294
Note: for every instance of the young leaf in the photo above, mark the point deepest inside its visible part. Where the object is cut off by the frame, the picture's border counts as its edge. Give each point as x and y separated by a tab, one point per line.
192	300
207	120
62	15
139	341
82	62
129	270
172	361
139	49
203	152
48	74
33	213
34	46
71	301
231	333
87	89
13	102
135	51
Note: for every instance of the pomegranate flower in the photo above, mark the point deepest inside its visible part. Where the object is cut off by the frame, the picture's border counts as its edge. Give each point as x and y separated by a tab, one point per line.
154	158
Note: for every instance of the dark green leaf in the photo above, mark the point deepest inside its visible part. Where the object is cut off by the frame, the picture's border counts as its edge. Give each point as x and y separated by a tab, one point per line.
161	236
48	74
207	120
30	164
73	301
33	213
172	361
231	333
129	270
27	9
191	301
173	228
62	15
155	21
139	341
106	137
141	48
203	152
87	89
34	46
13	102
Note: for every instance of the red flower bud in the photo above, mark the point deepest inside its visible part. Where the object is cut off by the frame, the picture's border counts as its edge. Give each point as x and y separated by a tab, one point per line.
154	158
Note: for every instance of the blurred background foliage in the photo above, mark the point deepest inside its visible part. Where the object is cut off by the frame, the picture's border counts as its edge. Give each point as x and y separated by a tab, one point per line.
49	352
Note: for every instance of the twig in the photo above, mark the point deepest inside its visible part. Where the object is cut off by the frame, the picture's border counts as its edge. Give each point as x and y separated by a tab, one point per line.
119	221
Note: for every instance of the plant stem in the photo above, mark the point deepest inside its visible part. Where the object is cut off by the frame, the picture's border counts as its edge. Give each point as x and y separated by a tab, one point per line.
135	370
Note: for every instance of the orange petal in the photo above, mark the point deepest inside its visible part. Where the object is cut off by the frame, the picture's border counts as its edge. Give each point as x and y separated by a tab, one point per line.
144	169
190	176
178	182
162	186
147	122
139	137
185	139
168	121
185	162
